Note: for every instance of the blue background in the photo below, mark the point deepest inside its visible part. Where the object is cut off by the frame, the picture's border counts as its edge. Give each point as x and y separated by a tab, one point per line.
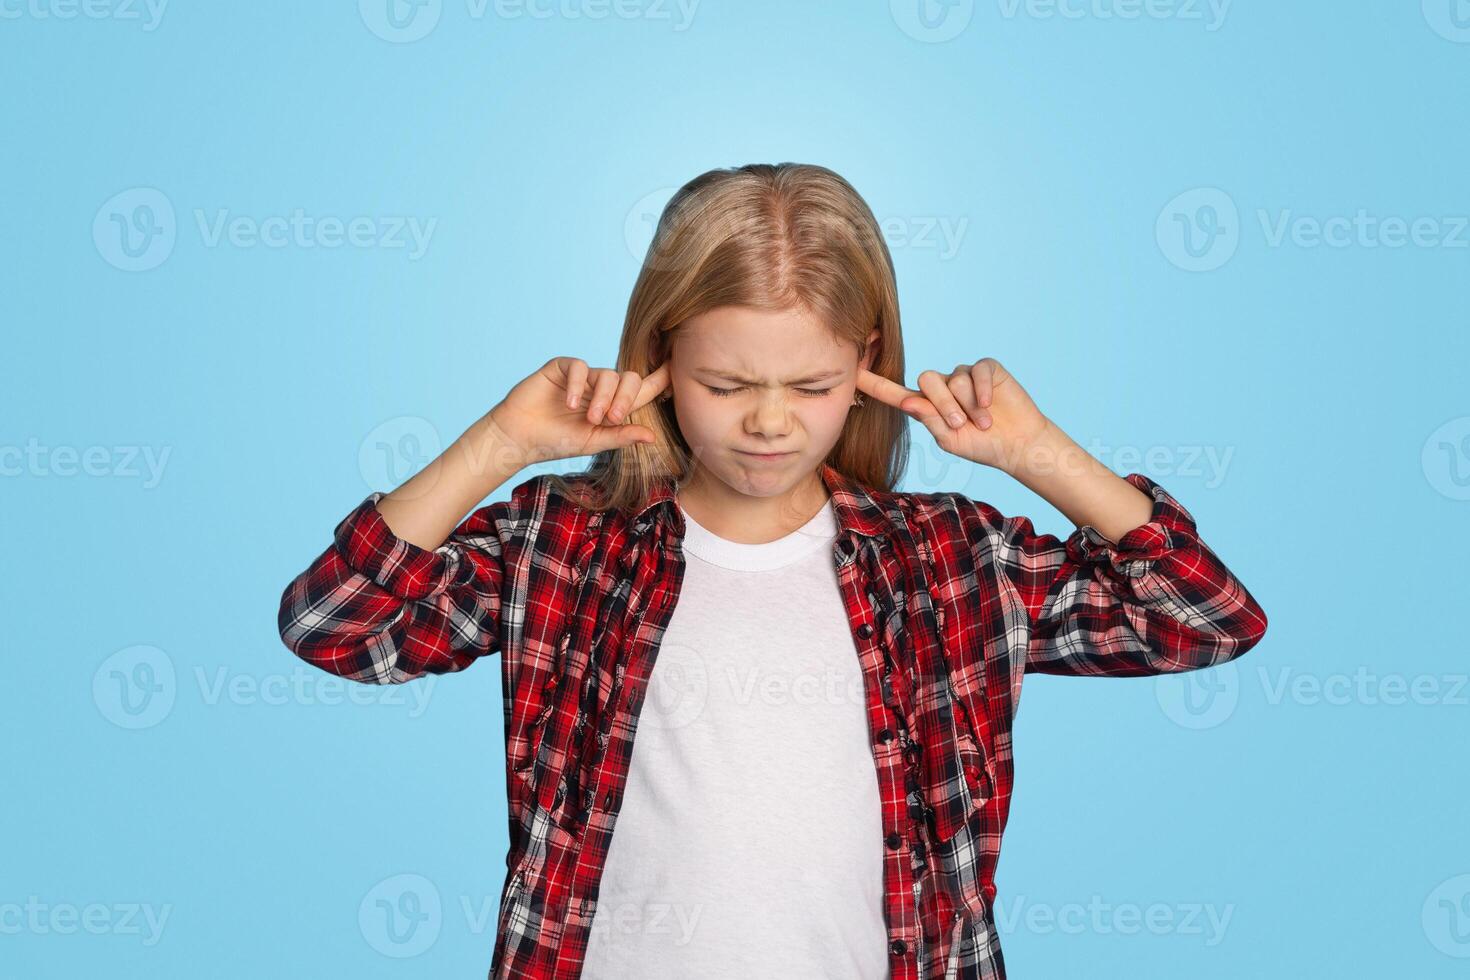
1307	402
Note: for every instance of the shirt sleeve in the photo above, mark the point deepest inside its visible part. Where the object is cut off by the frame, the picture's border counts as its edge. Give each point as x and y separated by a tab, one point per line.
1157	601
378	609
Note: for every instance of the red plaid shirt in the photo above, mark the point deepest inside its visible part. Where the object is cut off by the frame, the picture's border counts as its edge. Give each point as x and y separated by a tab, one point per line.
950	603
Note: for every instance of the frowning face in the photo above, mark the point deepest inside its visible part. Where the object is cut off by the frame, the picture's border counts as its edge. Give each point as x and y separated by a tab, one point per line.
761	397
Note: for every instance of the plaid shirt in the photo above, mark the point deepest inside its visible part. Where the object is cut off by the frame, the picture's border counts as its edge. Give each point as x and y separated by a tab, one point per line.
949	601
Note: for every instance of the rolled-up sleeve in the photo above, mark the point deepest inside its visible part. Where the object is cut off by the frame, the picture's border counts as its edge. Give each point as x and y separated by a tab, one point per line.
1156	601
375	608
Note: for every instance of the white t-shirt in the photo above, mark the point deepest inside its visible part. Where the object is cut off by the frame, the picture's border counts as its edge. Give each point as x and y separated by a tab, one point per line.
749	842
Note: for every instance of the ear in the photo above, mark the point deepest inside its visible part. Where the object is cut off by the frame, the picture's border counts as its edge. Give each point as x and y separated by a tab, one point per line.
870	350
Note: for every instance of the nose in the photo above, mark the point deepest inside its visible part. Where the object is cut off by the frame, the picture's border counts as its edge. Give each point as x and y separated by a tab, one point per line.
770	417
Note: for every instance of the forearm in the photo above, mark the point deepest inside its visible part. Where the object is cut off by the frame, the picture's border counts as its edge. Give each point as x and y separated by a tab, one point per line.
1073	481
433	502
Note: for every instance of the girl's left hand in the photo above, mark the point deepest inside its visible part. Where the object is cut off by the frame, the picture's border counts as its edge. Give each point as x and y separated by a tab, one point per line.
997	419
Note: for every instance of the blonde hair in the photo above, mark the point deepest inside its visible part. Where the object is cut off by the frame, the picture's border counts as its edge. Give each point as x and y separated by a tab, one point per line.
772	237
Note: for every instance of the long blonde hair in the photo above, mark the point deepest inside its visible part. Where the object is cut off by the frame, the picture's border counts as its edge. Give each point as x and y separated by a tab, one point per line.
772	237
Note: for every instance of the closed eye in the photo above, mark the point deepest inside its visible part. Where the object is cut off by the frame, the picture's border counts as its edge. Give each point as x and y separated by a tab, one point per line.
727	392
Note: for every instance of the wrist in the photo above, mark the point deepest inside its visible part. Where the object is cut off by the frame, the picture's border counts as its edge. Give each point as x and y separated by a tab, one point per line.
1052	464
1038	454
489	453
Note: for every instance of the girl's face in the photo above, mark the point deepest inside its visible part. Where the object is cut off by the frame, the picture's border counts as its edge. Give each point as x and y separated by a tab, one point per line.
761	397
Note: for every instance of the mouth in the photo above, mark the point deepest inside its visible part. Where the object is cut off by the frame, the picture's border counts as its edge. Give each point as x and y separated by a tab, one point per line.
766	456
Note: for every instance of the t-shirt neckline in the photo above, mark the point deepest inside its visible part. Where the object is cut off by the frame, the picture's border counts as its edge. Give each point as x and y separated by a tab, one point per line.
703	543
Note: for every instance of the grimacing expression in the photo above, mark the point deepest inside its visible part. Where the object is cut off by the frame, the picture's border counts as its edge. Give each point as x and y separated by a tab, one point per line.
747	382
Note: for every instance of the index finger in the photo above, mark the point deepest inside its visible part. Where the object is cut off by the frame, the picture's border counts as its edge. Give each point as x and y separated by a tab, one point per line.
888	392
653	385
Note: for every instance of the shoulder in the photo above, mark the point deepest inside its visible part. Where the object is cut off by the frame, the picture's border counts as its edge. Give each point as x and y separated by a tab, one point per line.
554	496
938	515
950	519
531	505
931	505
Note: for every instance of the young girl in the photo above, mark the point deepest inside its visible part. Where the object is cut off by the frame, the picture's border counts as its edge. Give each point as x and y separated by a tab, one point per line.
821	672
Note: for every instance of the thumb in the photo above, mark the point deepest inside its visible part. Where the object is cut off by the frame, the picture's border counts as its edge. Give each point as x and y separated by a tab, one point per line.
619	437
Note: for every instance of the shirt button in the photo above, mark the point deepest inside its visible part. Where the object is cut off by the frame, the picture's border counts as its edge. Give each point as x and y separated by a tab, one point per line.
865	630
898	947
886	735
893	841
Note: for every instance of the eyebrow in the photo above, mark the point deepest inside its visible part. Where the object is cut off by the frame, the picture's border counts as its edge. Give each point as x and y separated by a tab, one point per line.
726	375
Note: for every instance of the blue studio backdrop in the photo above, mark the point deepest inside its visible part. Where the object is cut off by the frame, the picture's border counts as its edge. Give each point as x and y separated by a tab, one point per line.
260	259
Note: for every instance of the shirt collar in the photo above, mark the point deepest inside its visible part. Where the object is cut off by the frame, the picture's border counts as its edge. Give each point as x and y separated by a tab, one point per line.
856	508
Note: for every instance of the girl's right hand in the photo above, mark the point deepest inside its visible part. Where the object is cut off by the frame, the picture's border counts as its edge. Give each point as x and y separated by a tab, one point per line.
567	409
